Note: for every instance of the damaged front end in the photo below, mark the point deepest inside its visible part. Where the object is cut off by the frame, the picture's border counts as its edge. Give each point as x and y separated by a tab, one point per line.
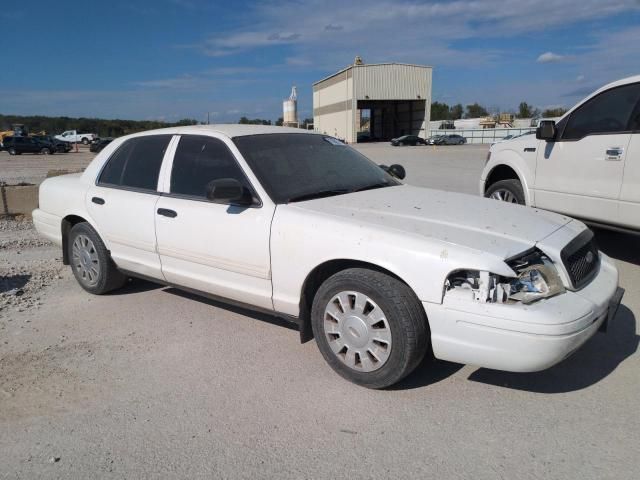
536	277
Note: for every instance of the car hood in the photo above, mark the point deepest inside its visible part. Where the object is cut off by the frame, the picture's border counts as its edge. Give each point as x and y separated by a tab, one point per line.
474	222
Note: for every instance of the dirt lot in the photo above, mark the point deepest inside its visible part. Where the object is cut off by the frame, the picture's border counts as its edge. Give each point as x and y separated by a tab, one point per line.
150	382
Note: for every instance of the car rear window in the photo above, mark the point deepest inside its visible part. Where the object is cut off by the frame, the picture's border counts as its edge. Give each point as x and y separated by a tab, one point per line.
136	163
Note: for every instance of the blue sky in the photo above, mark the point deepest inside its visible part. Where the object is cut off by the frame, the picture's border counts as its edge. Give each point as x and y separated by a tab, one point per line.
171	59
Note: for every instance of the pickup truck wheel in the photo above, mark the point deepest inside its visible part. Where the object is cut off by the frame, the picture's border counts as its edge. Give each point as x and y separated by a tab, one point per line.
369	327
509	191
90	261
85	141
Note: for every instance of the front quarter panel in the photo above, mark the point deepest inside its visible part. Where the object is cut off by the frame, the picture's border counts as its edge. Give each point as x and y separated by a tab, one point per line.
513	155
302	239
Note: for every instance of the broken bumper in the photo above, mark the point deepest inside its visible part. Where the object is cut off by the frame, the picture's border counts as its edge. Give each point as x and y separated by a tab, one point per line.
522	338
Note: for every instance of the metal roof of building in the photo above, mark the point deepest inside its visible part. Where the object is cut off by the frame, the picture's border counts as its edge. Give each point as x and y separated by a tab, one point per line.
369	65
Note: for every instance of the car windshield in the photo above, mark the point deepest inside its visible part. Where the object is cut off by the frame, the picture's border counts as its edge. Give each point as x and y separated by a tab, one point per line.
294	167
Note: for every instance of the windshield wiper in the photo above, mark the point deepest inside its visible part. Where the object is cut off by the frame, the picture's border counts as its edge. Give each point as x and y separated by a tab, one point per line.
318	194
371	187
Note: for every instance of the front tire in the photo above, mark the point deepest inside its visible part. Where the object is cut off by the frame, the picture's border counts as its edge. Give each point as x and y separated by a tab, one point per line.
45	151
509	191
90	261
85	141
12	151
370	327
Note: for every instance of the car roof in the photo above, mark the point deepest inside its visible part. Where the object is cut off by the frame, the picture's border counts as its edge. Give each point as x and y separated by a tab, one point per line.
228	130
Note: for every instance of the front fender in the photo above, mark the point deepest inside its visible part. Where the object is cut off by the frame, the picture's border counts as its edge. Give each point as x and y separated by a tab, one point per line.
524	169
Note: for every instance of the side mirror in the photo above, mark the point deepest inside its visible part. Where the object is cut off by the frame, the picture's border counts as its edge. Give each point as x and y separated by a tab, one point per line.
228	190
397	171
546	130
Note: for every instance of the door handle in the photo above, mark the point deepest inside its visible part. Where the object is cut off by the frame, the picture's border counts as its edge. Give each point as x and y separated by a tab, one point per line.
98	200
614	153
165	212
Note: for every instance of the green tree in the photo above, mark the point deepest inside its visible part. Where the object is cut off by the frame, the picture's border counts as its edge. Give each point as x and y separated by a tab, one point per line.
554	112
527	111
476	110
439	111
456	112
279	121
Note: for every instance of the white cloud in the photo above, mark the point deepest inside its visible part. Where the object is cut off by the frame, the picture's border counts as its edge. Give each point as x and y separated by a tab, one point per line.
580	78
550	57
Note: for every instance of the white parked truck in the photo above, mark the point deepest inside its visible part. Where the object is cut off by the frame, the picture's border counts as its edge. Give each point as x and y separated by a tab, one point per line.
586	165
74	136
303	226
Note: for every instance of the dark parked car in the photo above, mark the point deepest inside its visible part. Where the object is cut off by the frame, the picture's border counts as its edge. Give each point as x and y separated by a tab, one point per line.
20	145
364	137
412	140
453	140
97	145
60	146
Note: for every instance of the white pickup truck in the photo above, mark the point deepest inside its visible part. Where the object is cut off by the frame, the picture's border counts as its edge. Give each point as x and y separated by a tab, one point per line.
586	165
303	226
73	136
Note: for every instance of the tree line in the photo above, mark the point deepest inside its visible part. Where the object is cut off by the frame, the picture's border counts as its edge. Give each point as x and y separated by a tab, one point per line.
102	127
442	111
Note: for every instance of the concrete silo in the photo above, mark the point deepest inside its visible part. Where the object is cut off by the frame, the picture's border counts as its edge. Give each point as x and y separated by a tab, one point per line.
290	110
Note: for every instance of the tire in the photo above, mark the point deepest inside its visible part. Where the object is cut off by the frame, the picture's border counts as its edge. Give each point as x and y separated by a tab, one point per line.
370	327
90	261
12	151
85	141
509	191
45	151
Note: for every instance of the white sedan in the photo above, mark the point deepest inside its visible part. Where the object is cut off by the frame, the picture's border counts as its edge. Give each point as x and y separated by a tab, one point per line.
300	225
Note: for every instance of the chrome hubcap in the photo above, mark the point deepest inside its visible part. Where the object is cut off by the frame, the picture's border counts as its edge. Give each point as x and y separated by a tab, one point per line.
504	196
85	260
357	331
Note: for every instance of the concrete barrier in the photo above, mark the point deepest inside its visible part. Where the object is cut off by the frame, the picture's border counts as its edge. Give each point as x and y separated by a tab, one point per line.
18	199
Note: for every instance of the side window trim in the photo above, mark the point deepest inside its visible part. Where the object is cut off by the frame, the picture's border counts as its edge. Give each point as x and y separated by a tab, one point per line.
166	187
567	119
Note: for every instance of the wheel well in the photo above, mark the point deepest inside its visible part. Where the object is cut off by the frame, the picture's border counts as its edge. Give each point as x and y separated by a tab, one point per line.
316	278
67	224
501	172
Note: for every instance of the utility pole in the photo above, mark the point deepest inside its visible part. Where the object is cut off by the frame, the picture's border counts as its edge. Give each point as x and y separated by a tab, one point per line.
207	118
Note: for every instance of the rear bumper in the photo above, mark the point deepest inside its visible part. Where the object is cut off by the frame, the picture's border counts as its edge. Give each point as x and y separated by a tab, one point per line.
48	225
521	338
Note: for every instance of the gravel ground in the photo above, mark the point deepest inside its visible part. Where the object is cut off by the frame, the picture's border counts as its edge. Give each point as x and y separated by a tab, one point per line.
29	168
150	382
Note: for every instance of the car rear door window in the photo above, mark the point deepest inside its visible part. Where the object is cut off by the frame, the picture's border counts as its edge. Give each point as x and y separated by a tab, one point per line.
609	112
198	161
136	163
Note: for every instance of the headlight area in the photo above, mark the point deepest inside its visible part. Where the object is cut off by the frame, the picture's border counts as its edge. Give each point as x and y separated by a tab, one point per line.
536	278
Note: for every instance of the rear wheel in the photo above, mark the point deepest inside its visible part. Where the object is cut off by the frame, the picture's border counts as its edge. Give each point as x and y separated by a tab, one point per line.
90	261
370	327
12	151
509	191
45	151
85	141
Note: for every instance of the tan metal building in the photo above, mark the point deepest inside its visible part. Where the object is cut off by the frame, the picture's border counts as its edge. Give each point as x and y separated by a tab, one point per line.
380	101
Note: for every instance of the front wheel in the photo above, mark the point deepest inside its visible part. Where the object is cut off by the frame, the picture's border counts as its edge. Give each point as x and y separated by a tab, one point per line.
90	261
509	191
45	151
370	327
85	141
12	151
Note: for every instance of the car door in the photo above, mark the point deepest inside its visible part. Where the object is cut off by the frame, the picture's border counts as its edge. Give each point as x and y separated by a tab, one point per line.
123	201
630	193
581	173
216	248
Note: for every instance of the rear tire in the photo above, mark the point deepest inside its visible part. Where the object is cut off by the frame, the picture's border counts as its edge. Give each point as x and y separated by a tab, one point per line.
90	261
370	327
509	191
85	141
45	151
